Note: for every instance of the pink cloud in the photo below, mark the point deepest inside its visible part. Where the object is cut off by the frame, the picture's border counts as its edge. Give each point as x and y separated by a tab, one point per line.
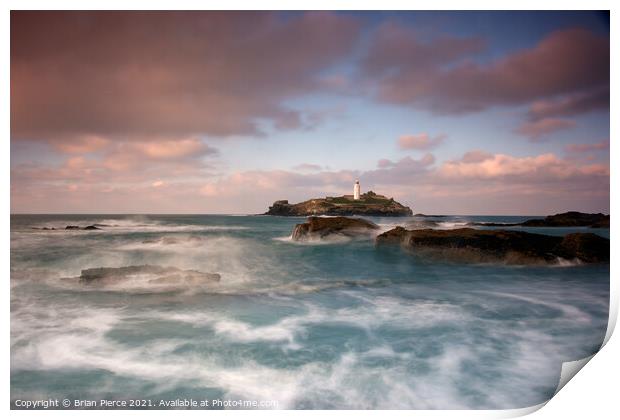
408	162
308	167
540	128
588	147
124	163
169	149
82	144
419	141
475	156
478	183
505	167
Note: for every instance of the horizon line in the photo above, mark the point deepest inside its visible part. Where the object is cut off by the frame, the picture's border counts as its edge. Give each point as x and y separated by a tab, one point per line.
262	214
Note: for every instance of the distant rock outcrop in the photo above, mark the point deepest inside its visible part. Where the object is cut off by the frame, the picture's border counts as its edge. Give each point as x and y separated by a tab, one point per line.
322	227
369	204
568	219
509	247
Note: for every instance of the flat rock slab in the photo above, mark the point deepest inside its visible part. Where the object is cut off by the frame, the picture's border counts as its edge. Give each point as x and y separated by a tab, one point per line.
505	246
154	273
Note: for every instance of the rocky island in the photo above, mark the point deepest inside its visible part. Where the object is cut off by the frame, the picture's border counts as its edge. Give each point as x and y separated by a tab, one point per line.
368	204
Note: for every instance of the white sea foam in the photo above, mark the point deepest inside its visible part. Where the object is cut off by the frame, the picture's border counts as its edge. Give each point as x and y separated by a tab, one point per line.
78	337
126	225
452	225
327	240
562	262
570	311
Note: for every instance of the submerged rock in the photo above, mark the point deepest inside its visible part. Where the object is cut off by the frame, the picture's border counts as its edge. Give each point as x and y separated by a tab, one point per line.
173	240
321	227
162	241
510	247
74	227
154	274
422	224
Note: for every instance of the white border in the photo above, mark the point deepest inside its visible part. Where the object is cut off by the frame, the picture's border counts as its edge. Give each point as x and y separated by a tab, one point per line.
593	394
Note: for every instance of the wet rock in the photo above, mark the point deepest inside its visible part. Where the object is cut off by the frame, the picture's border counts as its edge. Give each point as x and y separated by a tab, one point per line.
505	246
587	247
155	274
322	227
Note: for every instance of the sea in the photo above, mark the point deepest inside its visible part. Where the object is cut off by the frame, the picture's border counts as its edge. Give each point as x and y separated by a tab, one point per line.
339	324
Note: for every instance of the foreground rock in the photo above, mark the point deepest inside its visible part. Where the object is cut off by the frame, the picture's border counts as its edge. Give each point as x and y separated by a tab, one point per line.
317	228
568	219
510	247
152	274
369	204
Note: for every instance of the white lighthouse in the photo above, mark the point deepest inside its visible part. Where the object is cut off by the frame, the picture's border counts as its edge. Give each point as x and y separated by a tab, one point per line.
356	190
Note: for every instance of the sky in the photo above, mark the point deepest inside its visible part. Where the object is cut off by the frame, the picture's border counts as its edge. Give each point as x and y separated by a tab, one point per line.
226	112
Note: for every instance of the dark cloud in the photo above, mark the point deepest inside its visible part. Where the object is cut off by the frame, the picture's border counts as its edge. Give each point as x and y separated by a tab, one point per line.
165	74
571	105
435	74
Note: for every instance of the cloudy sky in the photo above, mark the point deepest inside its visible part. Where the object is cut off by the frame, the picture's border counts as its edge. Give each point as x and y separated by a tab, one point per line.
216	112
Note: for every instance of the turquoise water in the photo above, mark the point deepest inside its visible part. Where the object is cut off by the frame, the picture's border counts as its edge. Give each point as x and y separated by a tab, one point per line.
310	326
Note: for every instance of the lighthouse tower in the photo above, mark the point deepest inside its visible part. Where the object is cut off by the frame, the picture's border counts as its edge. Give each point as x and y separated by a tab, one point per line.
356	190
